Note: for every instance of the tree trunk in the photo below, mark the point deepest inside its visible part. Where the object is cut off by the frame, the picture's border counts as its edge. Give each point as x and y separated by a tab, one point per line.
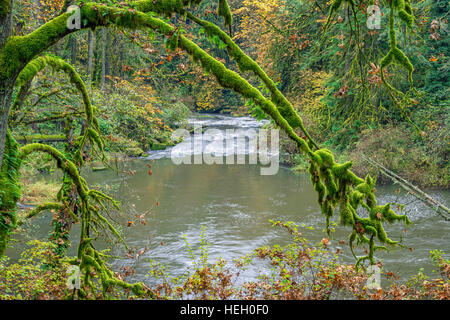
108	54
5	23
102	81
73	49
6	85
6	91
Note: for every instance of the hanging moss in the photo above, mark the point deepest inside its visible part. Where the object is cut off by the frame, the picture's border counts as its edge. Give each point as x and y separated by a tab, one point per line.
395	54
5	7
223	10
91	218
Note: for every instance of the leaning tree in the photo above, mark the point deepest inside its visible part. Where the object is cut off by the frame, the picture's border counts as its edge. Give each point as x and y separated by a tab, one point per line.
21	57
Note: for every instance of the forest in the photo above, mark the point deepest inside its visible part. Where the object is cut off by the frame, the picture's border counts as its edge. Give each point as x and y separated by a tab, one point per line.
93	207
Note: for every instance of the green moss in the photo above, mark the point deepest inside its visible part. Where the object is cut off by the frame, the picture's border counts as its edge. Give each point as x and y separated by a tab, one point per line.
96	169
133	152
20	50
48	207
41	138
159	146
9	190
224	11
5	7
57	64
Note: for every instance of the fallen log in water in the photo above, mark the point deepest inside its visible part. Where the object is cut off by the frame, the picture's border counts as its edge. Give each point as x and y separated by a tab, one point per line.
413	190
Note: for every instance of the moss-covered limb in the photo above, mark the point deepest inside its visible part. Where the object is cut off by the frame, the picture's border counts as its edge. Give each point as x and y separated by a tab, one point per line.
9	190
394	52
18	51
164	7
6	20
91	259
50	206
62	162
41	138
5	8
245	63
57	64
396	55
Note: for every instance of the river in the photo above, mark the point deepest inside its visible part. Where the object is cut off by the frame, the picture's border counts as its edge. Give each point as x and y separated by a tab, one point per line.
232	204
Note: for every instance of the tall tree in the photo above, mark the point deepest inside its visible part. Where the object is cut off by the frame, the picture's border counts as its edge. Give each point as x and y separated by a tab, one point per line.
90	56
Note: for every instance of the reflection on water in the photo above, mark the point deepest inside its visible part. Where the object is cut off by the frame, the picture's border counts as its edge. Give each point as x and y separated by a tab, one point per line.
234	204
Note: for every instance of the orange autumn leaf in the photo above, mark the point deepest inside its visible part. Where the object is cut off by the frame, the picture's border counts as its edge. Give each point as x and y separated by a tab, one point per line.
433	59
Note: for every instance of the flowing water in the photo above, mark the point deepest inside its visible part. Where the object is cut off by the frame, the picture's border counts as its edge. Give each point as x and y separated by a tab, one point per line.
232	204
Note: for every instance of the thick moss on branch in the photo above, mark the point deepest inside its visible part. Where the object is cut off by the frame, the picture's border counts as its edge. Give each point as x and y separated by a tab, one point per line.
57	64
90	217
62	162
50	206
18	51
10	190
5	8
